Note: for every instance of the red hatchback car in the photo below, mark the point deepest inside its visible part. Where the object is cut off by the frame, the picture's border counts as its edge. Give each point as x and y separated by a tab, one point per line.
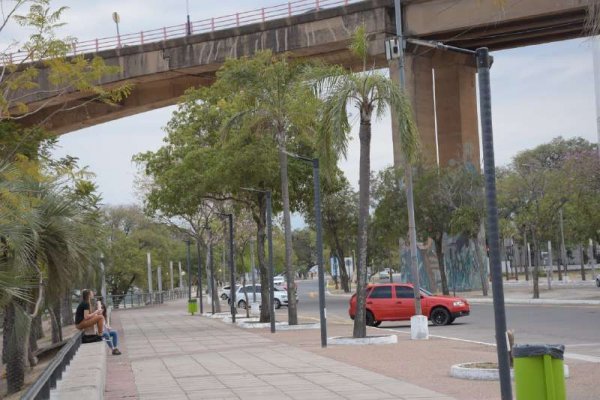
395	302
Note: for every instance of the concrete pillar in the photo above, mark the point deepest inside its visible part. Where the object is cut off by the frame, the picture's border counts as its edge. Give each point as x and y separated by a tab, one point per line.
456	109
419	88
180	277
159	278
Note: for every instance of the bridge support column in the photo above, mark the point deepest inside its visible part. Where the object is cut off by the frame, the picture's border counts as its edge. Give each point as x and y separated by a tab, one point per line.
456	109
419	87
442	90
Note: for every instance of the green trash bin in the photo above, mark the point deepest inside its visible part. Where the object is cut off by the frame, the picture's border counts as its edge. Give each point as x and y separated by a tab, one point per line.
539	372
192	306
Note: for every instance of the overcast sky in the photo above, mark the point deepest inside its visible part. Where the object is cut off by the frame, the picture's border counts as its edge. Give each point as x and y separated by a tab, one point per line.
539	93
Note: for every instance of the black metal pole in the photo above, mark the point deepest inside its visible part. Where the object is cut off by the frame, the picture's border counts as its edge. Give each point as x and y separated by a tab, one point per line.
271	272
199	291
322	309
487	139
231	268
212	272
189	273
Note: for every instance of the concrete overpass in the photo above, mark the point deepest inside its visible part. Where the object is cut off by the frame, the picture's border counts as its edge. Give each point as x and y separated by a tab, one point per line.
161	71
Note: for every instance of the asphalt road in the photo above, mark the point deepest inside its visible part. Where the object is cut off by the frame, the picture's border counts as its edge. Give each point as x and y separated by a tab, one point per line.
577	327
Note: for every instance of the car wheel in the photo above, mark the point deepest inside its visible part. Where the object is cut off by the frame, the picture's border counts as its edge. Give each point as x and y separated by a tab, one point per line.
377	323
370	319
224	296
242	304
598	282
451	320
277	304
440	316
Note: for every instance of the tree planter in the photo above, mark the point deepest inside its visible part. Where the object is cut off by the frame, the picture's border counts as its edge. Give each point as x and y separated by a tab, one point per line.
259	325
482	371
369	340
300	327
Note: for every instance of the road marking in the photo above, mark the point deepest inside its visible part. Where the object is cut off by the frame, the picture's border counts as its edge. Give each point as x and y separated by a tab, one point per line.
573	356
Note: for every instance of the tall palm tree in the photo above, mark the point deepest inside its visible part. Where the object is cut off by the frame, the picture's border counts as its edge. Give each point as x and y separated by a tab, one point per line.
371	93
280	105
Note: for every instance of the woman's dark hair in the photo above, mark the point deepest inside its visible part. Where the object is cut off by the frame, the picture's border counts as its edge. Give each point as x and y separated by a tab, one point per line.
103	310
85	295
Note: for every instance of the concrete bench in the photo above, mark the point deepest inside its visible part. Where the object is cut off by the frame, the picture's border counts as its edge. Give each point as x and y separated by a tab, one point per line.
84	377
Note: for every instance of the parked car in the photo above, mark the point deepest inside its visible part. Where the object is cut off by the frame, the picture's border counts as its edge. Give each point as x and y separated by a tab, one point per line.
395	302
598	280
281	298
278	280
385	273
225	290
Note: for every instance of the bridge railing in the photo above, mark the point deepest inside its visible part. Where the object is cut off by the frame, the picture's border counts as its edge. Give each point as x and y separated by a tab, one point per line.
263	14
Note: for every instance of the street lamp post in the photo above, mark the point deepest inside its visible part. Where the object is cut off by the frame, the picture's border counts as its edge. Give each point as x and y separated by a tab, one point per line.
117	19
270	248
188	24
231	268
212	270
199	291
317	199
189	273
484	62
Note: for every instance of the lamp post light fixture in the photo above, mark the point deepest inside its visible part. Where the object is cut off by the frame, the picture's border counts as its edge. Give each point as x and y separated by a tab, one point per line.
270	248
321	271
117	19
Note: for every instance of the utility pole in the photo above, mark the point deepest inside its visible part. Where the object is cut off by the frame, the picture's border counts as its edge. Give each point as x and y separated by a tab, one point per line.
188	24
549	272
149	265
199	294
253	272
596	56
563	249
171	275
418	323
189	266
231	267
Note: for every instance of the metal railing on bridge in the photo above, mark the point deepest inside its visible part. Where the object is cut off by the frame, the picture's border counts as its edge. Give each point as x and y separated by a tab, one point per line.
260	15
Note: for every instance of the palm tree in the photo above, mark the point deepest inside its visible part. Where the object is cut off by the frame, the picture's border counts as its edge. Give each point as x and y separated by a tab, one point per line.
371	93
41	236
279	105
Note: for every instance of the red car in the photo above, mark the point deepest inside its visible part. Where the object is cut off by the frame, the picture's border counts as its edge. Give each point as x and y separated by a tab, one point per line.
395	302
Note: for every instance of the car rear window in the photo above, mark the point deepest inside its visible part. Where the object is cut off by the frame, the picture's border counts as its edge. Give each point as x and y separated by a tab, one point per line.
381	292
404	292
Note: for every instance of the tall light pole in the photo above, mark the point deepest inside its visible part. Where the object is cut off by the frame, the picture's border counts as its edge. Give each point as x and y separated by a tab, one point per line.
418	322
212	270
199	291
484	62
117	19
317	199
231	267
271	271
188	24
188	242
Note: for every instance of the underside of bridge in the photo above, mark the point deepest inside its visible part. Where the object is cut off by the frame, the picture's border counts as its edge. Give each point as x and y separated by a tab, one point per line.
441	85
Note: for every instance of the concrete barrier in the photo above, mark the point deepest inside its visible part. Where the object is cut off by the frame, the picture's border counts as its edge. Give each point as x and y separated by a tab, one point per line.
84	377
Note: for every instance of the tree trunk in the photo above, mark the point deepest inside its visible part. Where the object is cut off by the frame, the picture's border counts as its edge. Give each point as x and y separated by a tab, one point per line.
360	328
67	309
536	268
342	263
581	263
16	340
55	316
481	267
36	327
287	224
440	256
265	312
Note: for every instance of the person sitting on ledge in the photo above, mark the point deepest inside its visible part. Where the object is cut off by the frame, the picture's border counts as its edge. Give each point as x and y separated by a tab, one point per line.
110	335
86	320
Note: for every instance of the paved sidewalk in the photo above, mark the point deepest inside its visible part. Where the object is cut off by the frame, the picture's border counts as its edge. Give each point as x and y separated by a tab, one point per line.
177	356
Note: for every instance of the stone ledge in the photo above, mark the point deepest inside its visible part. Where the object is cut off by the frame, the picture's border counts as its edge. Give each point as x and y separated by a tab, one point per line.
85	375
369	340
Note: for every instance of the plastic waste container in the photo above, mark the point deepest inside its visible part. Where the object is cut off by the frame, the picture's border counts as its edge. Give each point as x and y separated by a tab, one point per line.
539	372
192	306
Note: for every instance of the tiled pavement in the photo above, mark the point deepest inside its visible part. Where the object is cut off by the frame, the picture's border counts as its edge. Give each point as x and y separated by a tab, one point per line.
176	356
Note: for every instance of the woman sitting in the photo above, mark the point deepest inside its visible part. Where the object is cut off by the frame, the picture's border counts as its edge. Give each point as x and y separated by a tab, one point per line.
86	319
111	337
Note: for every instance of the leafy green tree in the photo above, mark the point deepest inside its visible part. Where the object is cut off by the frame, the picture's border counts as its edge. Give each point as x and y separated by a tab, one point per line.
372	93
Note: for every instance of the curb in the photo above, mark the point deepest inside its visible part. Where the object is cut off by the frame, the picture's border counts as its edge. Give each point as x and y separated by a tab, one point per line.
536	301
462	371
369	340
328	293
299	327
